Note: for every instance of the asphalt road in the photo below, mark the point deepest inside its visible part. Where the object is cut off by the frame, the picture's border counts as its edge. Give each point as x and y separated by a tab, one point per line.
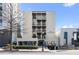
51	52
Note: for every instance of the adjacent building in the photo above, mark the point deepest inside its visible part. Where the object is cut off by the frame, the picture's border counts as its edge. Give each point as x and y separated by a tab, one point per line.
69	37
5	10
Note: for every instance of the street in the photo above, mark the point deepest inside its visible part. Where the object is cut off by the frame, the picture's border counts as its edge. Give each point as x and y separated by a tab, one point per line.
39	52
67	52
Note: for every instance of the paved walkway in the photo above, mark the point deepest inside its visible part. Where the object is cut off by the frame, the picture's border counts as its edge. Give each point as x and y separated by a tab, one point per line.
39	51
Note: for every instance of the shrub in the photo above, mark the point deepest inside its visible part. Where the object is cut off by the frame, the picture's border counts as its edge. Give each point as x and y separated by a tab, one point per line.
25	47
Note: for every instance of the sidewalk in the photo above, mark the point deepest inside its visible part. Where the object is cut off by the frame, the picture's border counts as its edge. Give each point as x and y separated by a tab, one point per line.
39	49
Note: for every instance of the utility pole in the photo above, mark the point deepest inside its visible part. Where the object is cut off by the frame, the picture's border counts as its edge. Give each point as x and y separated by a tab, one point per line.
42	42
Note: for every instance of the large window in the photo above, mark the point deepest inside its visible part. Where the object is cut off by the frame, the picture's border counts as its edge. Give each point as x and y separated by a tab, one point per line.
20	43
0	3
0	13
34	15
65	35
0	8
0	22
34	36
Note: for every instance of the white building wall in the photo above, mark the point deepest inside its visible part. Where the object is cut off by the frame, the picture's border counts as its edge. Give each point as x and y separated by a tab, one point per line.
70	35
50	26
28	24
27	32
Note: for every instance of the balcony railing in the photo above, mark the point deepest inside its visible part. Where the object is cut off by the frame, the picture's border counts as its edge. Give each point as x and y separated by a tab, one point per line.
39	31
39	24
44	24
43	30
39	17
43	17
34	24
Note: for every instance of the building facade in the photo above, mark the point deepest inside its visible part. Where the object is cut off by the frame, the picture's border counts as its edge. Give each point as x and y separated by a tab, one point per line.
6	9
69	37
39	27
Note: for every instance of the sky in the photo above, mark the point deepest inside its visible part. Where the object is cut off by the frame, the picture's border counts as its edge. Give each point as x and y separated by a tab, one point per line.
67	14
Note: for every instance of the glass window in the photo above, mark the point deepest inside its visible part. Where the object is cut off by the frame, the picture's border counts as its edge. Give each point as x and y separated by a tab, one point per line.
0	13
29	42
0	3
39	36
65	35
0	8
25	42
20	43
34	15
34	36
44	14
0	22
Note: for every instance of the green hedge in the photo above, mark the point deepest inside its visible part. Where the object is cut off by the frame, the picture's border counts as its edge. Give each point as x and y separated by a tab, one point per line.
25	47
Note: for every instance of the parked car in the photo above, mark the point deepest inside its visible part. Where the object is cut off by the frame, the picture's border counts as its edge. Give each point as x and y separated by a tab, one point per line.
52	46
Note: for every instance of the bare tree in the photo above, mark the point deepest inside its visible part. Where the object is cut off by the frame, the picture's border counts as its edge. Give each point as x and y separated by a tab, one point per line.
13	20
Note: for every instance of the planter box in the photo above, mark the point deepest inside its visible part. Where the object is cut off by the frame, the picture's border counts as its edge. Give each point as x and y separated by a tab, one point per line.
25	47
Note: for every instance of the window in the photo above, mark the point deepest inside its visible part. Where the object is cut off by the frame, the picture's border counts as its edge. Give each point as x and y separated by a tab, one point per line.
34	42
0	22
39	36
20	43
43	23
29	43
39	23
25	42
0	13
44	36
34	36
0	3
0	8
34	29
44	14
34	15
38	13
65	35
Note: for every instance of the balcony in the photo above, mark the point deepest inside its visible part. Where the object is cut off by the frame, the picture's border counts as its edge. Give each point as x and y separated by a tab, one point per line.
44	17
43	20
34	30
44	30
34	24
43	24
39	17
39	31
34	15
39	24
33	27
